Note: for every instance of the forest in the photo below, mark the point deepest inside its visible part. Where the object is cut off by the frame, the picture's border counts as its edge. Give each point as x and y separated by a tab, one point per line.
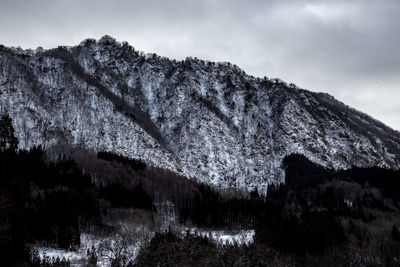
318	217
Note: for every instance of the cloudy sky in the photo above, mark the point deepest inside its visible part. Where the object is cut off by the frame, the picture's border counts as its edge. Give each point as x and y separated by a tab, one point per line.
350	49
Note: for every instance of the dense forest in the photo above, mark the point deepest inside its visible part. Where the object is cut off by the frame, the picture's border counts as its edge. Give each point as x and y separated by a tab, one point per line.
318	217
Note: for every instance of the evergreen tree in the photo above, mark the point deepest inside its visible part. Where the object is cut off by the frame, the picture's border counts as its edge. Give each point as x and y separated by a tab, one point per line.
92	256
8	141
395	234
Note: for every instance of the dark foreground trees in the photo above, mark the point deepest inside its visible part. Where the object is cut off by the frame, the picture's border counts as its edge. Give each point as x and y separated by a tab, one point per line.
167	249
316	218
42	202
8	141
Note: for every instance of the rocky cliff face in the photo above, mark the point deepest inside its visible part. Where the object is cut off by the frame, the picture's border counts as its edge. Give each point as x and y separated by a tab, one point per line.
209	121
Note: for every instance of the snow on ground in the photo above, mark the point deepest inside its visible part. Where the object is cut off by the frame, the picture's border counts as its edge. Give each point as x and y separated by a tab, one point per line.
72	256
77	257
224	238
107	246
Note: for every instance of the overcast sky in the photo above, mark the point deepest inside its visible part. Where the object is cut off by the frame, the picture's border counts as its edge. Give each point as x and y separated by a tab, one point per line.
350	49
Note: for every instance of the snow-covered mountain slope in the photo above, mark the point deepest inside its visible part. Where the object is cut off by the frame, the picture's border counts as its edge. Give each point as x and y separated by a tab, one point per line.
207	120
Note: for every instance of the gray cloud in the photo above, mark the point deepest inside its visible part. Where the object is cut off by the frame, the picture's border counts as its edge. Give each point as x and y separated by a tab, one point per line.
350	49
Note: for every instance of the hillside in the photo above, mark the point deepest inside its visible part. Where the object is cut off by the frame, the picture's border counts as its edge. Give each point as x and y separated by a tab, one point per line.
204	120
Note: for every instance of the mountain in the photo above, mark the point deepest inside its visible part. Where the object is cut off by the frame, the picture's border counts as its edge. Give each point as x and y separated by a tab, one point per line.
205	120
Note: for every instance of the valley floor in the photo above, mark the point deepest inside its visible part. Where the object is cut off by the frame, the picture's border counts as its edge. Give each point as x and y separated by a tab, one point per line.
107	247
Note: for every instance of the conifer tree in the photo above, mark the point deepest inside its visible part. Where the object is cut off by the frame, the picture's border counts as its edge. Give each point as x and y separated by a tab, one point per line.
8	141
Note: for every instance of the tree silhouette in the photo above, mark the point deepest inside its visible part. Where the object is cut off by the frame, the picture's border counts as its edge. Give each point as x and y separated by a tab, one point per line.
8	141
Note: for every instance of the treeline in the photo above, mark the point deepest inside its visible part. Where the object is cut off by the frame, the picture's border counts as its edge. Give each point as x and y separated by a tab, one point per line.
315	212
319	210
121	196
355	189
210	209
135	164
319	217
50	202
194	203
43	202
169	249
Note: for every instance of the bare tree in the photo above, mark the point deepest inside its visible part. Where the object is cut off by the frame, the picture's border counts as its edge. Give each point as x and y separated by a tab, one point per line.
121	248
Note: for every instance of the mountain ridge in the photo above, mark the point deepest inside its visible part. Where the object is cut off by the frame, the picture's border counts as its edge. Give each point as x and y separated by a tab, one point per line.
209	121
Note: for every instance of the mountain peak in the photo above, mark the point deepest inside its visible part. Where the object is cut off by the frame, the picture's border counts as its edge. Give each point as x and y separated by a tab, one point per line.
209	121
107	40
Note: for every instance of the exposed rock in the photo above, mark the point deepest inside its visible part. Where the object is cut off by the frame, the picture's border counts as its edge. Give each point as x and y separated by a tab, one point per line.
209	121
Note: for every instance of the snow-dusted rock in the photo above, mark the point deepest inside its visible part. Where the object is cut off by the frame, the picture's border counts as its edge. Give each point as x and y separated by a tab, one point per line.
209	121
